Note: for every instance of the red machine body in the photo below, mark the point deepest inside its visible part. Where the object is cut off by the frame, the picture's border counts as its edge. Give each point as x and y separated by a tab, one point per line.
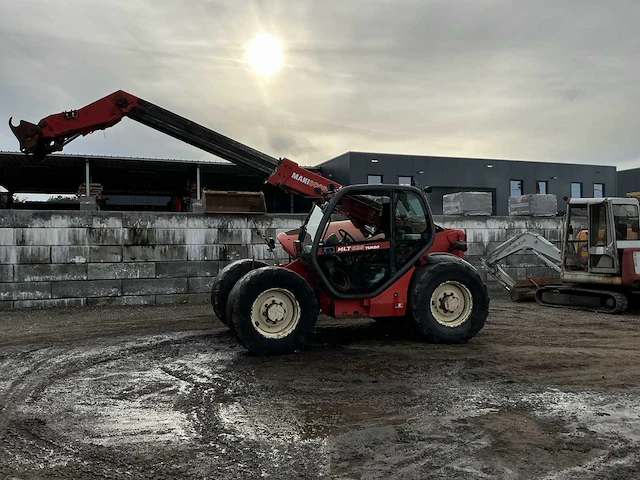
631	268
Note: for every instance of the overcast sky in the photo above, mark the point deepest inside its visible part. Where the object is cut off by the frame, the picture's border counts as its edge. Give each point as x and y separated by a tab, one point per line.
533	80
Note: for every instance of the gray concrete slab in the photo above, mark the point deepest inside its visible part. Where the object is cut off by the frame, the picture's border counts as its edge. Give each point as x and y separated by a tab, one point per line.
533	205
105	271
186	269
154	286
106	253
200	284
25	290
6	273
154	253
86	288
467	203
50	272
68	254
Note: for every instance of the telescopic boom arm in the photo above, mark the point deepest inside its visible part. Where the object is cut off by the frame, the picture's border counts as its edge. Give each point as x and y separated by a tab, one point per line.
52	133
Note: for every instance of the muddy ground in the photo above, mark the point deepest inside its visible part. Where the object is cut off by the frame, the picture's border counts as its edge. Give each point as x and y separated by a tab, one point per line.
165	392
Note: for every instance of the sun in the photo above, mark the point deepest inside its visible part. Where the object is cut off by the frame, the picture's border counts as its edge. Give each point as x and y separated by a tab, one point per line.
264	54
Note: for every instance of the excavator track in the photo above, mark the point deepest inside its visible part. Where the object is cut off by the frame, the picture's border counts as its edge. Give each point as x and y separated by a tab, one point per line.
602	301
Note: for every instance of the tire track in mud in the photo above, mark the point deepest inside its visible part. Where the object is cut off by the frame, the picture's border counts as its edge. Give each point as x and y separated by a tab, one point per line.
55	367
31	436
234	419
24	428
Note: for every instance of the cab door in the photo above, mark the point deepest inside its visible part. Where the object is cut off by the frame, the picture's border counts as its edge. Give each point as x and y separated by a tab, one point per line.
603	254
413	232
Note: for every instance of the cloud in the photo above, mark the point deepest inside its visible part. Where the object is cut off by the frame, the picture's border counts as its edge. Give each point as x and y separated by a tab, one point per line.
547	80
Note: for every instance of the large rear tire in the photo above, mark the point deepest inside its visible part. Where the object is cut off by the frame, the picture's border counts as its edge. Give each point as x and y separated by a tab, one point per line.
449	301
226	280
272	311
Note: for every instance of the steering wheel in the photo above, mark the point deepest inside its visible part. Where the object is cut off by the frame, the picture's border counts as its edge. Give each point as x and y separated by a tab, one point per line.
346	236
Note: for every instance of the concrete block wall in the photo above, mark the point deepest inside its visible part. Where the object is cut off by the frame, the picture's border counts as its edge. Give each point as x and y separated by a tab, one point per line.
59	258
124	258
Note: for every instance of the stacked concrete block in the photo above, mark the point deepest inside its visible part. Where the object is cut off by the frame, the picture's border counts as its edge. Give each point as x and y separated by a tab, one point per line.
467	203
533	205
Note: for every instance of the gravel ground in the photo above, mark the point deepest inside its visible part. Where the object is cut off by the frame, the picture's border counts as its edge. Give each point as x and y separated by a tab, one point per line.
165	392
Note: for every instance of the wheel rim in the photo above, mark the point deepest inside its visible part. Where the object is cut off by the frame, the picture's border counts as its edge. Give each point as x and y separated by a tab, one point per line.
451	304
275	313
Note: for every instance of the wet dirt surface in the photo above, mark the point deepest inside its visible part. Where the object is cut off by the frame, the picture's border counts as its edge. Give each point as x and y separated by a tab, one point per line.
165	392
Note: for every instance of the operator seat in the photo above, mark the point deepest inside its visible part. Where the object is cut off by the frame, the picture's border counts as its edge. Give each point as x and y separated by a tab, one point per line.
577	254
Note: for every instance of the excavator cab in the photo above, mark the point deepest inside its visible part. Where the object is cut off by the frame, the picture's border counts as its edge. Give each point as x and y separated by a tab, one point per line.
598	263
365	238
597	229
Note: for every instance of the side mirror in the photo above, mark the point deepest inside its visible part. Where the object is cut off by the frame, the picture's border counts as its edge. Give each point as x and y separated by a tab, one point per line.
427	189
271	243
570	230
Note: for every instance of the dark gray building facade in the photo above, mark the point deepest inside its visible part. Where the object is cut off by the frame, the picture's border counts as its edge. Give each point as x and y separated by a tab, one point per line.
502	178
628	181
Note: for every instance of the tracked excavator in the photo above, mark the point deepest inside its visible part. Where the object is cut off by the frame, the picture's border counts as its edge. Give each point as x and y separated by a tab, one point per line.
598	264
363	250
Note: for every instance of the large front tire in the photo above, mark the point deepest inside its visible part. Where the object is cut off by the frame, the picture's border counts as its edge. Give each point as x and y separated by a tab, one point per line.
449	302
272	311
226	280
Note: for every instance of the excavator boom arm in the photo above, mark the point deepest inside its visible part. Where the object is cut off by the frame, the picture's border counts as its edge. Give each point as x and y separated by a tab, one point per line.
537	244
52	133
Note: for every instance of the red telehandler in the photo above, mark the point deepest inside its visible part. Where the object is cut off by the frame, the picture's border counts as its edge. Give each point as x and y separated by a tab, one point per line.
363	250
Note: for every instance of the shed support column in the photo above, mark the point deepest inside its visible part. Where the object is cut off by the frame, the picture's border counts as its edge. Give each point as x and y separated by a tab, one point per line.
198	183
86	178
87	202
196	205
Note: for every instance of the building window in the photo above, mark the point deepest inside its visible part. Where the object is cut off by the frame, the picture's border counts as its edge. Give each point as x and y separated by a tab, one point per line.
576	189
516	188
371	179
598	190
541	187
405	180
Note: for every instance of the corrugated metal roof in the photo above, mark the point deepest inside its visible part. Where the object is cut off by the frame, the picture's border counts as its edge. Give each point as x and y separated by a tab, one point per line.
62	173
65	158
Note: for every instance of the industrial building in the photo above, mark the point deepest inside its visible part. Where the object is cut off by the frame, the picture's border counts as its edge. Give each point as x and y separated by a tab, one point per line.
502	178
628	181
154	184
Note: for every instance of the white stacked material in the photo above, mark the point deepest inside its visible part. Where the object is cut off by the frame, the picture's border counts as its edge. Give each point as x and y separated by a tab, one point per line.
467	203
533	205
